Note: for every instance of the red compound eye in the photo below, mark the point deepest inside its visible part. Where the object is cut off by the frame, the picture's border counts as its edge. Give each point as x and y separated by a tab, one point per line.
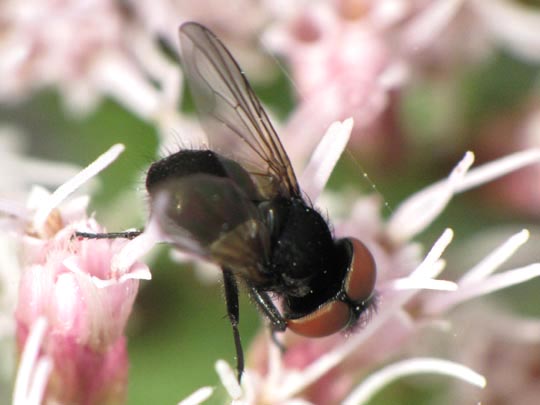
328	319
335	315
361	275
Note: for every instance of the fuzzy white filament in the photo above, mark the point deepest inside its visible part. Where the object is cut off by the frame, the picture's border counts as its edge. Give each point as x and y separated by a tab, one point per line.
495	259
376	381
62	192
198	397
494	283
228	379
40	380
33	373
498	168
324	159
428	268
414	283
419	210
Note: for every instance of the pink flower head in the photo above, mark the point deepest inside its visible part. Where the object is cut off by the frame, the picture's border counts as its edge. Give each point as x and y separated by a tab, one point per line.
54	42
492	340
87	50
342	65
68	282
87	311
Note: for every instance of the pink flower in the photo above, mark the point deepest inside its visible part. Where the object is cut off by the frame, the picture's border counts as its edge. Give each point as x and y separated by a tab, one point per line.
69	283
39	46
87	50
86	317
34	369
449	32
352	58
163	18
342	65
492	340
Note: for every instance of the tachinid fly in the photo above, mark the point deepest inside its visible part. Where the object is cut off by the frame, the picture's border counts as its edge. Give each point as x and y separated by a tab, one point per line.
239	205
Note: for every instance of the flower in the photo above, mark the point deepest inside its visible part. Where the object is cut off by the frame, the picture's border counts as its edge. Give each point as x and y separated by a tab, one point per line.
33	372
162	18
68	292
517	32
348	58
411	299
362	58
342	65
87	50
491	339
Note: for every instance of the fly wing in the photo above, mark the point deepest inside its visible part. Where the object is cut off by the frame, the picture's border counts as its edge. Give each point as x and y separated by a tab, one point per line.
211	217
234	120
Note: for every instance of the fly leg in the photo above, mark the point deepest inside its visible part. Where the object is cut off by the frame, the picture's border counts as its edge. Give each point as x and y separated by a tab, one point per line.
268	308
108	235
231	298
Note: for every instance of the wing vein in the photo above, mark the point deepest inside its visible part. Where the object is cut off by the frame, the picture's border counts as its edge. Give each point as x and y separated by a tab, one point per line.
230	110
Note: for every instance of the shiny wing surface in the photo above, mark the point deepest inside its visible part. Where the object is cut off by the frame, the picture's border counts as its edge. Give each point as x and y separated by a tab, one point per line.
234	120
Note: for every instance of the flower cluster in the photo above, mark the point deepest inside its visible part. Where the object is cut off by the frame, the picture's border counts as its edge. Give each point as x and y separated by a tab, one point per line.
424	81
71	309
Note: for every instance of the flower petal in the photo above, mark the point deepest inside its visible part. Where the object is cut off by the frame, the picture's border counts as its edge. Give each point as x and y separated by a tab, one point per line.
228	379
26	378
414	283
388	374
419	210
198	397
513	23
495	259
427	26
494	283
62	192
324	159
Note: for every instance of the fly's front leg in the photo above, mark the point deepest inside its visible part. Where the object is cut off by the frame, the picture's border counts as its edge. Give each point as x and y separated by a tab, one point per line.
108	235
268	308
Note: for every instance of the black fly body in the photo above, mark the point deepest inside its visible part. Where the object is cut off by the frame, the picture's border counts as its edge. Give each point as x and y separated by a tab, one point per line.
239	205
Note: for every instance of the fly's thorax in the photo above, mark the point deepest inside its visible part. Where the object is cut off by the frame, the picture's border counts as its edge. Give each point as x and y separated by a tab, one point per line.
302	246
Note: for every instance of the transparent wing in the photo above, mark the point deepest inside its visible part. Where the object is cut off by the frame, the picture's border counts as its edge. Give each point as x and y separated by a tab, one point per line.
211	217
234	120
